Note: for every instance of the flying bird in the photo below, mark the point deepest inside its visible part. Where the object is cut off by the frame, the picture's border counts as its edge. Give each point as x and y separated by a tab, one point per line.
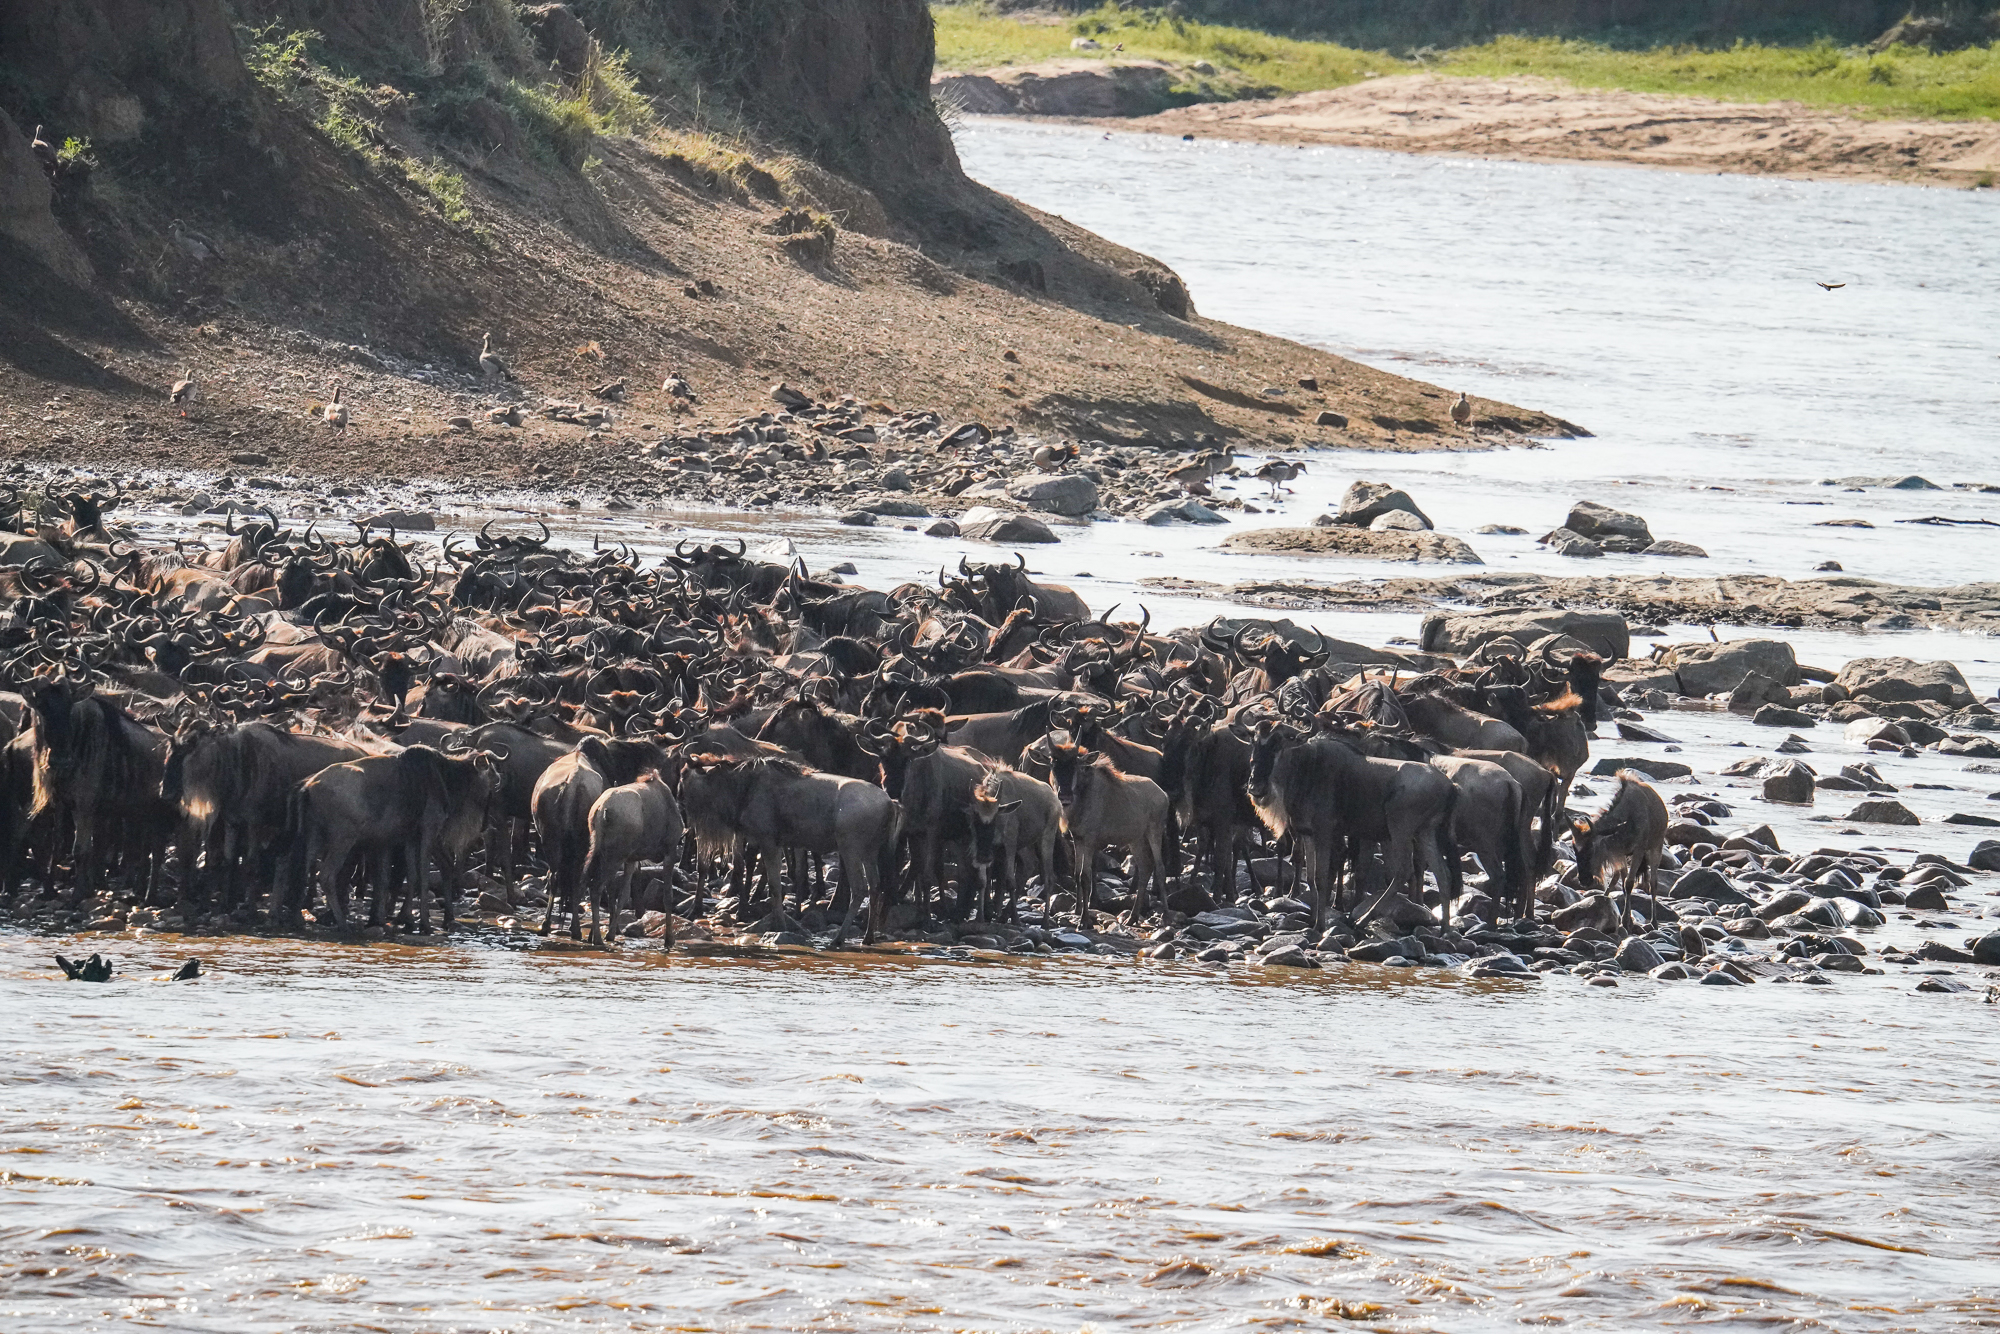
1831	287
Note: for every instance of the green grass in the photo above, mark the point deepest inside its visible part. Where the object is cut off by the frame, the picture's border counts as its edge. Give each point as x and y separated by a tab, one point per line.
1901	82
972	37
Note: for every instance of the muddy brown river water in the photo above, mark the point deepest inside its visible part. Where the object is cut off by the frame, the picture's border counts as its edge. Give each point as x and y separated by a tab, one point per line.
466	1138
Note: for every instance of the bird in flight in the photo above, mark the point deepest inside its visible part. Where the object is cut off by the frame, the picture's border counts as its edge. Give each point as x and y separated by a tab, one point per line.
1831	286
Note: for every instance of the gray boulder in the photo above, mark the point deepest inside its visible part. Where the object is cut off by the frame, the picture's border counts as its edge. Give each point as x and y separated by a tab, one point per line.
1986	949
1569	542
1659	770
1711	668
1666	546
898	509
1589	519
1636	955
1071	494
1883	811
942	528
1366	502
1788	781
1460	633
991	525
1397	521
1754	691
403	521
1900	680
1180	511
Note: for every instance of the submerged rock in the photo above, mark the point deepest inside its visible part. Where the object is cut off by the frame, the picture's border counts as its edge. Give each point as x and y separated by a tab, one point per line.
1883	811
1337	540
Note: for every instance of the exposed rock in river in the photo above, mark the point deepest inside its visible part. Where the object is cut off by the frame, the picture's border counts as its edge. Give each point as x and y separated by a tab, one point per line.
1363	542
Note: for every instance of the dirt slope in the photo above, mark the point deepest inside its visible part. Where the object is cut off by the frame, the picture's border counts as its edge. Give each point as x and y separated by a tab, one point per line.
365	208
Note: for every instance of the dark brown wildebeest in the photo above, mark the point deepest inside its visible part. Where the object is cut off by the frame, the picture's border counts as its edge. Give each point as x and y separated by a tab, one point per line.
417	803
773	804
1326	794
1016	821
100	769
633	822
1105	808
561	803
934	783
233	786
1626	839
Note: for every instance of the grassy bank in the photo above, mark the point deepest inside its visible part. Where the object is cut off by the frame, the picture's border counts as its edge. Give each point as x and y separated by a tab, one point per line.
1901	82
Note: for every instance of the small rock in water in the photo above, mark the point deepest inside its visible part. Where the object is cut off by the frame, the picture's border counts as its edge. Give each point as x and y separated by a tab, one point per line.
1501	530
1883	812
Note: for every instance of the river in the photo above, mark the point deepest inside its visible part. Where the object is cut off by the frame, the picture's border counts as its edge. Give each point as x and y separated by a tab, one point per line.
465	1137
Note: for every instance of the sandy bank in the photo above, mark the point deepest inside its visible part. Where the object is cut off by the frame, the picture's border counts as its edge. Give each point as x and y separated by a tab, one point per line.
1534	119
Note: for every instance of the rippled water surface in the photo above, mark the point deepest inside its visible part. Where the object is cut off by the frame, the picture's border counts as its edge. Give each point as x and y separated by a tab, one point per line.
468	1138
333	1138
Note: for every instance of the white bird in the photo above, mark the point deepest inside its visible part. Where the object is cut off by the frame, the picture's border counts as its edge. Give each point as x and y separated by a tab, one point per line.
1461	411
335	412
185	391
489	361
45	152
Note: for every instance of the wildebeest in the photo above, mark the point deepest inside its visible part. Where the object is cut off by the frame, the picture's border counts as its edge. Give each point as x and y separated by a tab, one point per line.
633	822
1320	790
1105	808
1016	823
773	804
99	769
412	804
1626	840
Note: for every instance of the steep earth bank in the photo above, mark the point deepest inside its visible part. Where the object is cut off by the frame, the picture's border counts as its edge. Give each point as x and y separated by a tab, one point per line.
274	198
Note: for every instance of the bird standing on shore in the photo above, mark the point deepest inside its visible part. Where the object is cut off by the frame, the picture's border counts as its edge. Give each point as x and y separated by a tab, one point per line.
613	391
508	415
185	391
335	412
490	364
1051	458
1277	472
675	386
1461	411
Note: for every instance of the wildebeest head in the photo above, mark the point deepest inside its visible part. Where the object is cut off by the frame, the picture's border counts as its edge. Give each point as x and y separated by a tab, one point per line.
897	748
987	808
1270	740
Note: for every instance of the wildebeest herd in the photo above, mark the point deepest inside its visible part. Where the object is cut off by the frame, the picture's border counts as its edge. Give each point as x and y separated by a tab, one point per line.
278	730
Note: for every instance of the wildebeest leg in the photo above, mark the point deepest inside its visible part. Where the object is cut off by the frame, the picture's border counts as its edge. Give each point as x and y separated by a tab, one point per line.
1085	873
625	907
376	867
84	858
